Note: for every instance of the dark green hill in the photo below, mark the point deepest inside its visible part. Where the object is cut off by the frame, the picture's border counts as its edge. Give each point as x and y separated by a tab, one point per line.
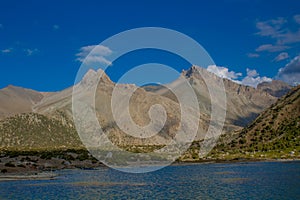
274	134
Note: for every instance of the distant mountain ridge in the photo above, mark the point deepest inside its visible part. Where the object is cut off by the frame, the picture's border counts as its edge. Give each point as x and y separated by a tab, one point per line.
275	88
244	103
16	100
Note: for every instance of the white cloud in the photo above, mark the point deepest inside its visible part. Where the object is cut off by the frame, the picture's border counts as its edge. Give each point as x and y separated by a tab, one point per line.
253	55
271	48
252	79
55	27
252	72
290	73
281	56
30	52
94	54
297	19
223	72
9	50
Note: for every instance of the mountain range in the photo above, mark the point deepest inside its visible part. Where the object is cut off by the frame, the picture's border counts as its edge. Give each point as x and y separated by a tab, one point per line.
35	120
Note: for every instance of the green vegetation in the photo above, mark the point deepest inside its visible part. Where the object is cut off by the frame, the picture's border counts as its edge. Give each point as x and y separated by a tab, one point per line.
274	134
68	154
35	132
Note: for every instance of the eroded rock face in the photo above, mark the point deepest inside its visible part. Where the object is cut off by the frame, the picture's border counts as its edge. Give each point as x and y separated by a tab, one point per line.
244	103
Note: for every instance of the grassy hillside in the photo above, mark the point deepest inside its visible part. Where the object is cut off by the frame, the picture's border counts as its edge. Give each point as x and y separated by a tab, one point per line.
274	134
38	132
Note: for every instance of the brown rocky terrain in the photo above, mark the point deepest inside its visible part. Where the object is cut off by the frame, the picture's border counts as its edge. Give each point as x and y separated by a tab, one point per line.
16	100
275	88
42	122
244	103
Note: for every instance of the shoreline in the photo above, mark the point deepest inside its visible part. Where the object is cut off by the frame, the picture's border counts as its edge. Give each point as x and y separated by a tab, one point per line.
49	175
240	160
28	176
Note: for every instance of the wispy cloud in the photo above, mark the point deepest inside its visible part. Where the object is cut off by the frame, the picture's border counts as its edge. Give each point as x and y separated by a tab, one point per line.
285	32
27	51
297	19
9	50
55	27
271	48
270	28
289	37
1	26
281	56
279	30
290	73
30	52
253	55
251	79
94	54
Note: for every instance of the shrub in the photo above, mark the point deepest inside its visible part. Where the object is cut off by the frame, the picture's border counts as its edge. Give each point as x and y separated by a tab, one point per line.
21	165
242	141
9	164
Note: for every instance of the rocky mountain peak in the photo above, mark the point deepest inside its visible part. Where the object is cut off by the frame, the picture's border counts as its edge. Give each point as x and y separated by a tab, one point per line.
192	71
92	77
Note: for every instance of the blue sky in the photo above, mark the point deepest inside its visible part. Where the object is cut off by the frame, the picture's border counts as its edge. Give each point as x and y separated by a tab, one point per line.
40	41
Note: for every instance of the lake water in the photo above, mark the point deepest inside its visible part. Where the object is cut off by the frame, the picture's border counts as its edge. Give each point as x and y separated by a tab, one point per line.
255	180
